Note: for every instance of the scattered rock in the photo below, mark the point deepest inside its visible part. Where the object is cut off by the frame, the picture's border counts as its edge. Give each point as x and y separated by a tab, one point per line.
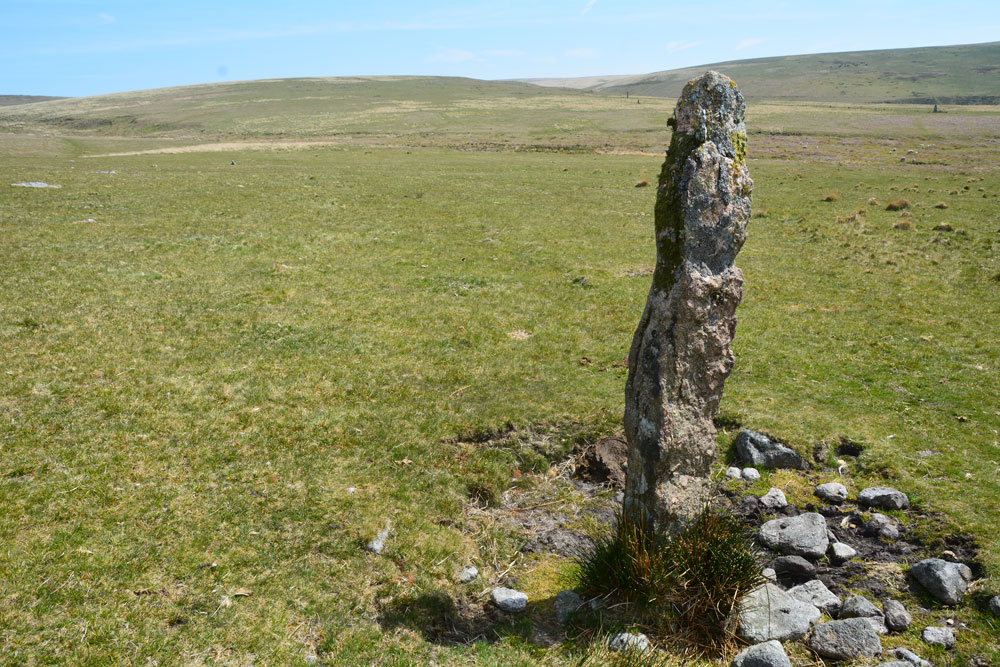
760	450
795	568
995	605
846	640
509	600
378	544
934	634
802	535
629	641
947	582
840	552
35	184
858	606
468	575
732	472
883	497
774	499
895	663
879	525
911	657
768	654
566	603
818	595
770	613
769	574
750	474
897	618
832	492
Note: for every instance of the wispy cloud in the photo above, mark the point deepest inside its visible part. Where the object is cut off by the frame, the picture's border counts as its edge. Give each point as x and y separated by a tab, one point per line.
447	55
747	43
105	19
587	7
504	53
674	47
583	53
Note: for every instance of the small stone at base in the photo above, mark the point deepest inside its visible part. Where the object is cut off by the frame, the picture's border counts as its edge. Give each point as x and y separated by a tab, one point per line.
625	641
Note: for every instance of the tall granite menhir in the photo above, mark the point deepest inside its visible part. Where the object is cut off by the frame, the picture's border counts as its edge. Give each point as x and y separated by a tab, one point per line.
680	355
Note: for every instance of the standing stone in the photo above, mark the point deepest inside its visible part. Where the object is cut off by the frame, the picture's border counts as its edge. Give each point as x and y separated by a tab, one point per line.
680	355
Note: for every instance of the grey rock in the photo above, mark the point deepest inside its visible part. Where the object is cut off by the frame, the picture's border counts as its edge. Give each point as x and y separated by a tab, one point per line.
883	497
760	450
897	618
680	355
895	663
840	552
832	492
566	603
629	641
995	605
509	600
947	582
934	634
858	606
732	472
377	545
848	639
768	654
468	574
911	657
750	474
877	623
769	574
879	525
768	613
818	595
794	567
774	499
802	535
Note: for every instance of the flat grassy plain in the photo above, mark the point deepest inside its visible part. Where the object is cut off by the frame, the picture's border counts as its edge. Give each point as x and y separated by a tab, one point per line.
218	381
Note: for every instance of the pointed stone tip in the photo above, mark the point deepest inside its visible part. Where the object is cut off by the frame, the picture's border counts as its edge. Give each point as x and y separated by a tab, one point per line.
712	108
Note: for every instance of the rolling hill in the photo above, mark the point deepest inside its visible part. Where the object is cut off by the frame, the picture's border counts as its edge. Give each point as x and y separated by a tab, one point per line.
966	74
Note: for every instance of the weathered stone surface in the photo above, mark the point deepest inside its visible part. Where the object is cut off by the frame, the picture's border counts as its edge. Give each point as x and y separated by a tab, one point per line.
629	641
680	355
468	574
769	574
732	472
768	654
911	657
858	606
760	450
802	535
818	595
895	663
848	639
934	634
995	605
883	497
840	552
947	582
566	603
832	492
507	599
774	499
795	568
897	618
770	613
750	474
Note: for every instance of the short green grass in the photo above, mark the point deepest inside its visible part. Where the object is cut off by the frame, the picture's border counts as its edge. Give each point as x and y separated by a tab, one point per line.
199	361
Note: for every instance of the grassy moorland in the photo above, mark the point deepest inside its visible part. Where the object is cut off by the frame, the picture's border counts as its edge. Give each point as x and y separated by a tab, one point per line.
217	381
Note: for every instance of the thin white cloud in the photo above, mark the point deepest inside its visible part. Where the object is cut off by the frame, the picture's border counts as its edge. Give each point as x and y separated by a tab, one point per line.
448	55
674	47
105	19
587	7
504	53
747	43
583	53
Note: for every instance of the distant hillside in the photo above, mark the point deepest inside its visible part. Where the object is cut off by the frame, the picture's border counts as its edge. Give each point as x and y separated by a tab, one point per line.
967	74
11	100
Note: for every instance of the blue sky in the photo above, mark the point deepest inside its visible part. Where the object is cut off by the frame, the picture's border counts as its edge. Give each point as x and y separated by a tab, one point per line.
84	47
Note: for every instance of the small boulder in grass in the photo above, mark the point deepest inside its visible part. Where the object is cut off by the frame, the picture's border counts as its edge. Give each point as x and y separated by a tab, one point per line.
995	605
750	474
767	654
795	568
509	600
802	535
840	552
946	581
883	497
911	657
629	641
774	499
831	492
941	636
897	618
760	450
849	639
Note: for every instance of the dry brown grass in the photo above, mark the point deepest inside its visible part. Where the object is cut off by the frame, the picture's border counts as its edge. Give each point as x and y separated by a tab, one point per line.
904	223
831	196
872	201
940	204
642	182
898	205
